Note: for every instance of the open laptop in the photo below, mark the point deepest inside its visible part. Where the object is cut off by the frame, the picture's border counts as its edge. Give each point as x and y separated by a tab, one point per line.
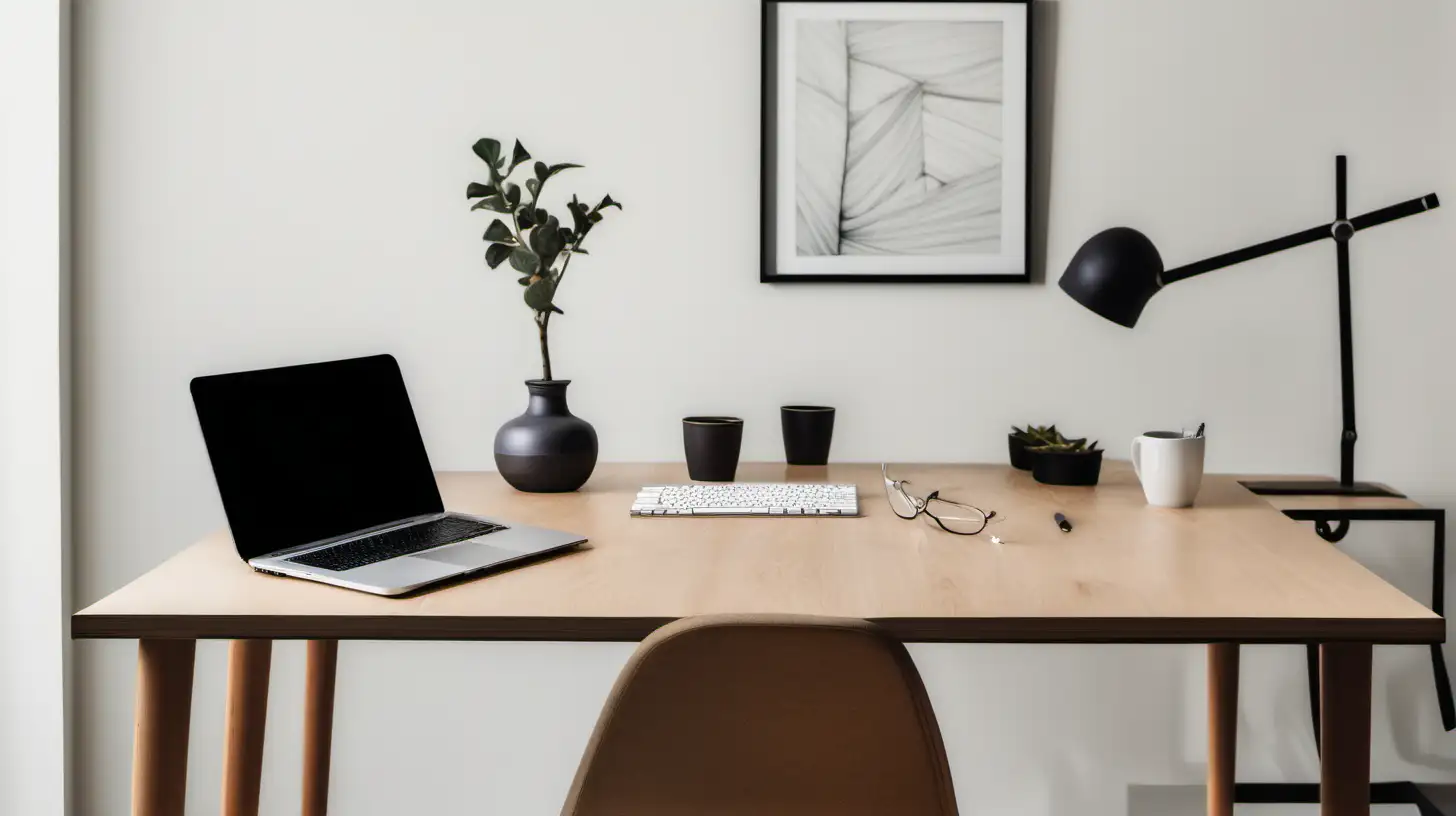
324	476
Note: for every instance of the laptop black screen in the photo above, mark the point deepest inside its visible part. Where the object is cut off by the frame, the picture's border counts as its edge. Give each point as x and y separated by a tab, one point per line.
313	451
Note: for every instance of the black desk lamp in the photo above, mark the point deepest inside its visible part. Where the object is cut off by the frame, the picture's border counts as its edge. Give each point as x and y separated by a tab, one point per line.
1118	270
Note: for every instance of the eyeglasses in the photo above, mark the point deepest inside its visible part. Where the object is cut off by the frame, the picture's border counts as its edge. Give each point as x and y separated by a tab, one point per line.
953	517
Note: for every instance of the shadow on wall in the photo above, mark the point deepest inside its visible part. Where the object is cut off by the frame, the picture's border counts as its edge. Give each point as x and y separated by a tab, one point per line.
1032	756
1411	725
1043	111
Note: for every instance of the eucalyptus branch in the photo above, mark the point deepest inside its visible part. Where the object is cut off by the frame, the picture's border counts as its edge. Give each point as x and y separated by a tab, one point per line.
543	319
549	240
516	223
569	253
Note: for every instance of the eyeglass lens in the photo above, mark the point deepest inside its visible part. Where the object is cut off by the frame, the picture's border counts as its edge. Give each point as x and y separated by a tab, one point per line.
900	501
954	517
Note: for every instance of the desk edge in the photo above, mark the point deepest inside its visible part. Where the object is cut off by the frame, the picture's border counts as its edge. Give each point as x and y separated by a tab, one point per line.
914	630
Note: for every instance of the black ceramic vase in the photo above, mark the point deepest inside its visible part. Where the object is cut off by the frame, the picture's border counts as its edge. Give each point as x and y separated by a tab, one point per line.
1021	458
547	449
1080	468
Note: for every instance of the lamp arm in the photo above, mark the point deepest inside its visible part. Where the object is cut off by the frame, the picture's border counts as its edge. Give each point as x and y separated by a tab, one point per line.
1371	219
1415	206
1249	253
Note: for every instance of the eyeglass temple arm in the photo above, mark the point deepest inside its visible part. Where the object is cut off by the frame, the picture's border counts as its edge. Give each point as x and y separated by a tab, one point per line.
1374	218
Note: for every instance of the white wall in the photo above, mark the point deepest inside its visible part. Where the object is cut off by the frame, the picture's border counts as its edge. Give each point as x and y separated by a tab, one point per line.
268	181
34	577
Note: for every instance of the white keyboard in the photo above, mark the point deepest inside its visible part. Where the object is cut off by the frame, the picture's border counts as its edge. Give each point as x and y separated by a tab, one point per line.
747	499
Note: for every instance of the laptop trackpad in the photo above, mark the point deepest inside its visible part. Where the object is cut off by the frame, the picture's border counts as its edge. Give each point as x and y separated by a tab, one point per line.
469	555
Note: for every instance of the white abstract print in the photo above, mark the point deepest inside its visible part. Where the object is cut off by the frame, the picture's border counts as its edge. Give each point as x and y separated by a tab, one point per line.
898	138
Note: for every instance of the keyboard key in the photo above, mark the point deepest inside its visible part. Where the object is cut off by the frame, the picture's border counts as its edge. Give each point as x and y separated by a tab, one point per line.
395	543
747	499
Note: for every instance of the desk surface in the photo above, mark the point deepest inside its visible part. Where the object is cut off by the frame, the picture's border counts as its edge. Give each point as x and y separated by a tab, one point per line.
1233	568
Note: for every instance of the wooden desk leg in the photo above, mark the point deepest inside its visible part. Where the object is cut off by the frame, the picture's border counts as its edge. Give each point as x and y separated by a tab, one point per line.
249	664
1223	721
1345	729
318	724
163	717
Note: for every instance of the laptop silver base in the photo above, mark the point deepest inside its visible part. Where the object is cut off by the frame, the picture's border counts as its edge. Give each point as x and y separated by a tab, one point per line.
406	573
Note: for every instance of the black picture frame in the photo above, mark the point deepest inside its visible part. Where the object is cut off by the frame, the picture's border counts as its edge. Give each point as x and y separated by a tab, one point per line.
768	192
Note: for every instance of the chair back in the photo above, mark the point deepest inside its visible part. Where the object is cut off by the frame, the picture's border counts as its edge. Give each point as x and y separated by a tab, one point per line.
769	716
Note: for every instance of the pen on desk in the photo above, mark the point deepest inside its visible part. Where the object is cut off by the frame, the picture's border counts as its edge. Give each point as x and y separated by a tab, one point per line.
1062	522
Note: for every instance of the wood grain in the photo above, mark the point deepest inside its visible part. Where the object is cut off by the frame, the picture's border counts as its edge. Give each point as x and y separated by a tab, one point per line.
249	665
1230	569
318	724
1345	729
1223	725
163	720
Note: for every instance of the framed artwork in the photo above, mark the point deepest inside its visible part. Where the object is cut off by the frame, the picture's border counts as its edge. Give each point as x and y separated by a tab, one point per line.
896	141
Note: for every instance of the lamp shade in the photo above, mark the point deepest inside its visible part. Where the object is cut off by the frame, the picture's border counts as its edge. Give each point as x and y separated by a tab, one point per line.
1114	274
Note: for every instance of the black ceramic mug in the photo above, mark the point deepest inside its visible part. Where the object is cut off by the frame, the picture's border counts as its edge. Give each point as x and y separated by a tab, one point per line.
808	430
712	444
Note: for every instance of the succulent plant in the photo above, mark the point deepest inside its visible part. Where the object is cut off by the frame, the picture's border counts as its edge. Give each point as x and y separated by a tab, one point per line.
1047	439
1069	446
538	246
1033	435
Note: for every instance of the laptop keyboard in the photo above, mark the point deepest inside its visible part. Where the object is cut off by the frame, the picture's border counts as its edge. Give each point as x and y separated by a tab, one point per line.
394	543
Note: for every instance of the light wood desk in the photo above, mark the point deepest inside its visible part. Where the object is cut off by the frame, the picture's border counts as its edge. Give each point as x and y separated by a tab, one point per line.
1332	517
1231	570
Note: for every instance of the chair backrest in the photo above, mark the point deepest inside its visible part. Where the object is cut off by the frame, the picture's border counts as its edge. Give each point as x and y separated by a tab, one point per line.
769	716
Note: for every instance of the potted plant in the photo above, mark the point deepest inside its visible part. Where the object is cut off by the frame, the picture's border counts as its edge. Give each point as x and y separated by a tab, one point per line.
547	449
1032	436
1066	462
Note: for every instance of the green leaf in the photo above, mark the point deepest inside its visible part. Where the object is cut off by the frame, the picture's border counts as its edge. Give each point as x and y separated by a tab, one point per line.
476	190
489	151
579	216
546	241
495	254
512	193
575	251
525	261
518	155
494	202
607	202
525	218
556	309
533	186
539	294
540	216
498	231
567	236
526	281
543	172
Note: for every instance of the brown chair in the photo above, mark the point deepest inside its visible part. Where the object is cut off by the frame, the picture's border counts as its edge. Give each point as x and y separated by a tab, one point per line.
766	716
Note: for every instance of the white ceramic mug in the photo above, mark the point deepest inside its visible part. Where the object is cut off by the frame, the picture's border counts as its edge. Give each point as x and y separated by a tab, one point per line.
1170	466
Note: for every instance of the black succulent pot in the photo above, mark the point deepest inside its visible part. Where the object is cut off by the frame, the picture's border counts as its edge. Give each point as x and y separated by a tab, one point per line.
547	449
1021	458
1066	468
